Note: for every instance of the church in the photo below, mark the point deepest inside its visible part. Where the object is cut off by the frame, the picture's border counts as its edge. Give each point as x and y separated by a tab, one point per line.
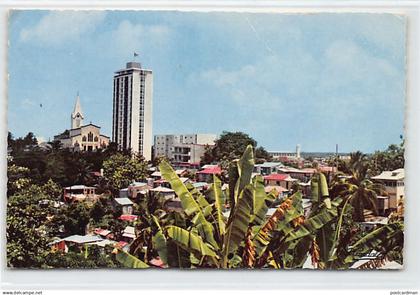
82	137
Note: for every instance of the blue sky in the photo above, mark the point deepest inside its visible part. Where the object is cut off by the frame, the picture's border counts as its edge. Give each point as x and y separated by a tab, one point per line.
313	79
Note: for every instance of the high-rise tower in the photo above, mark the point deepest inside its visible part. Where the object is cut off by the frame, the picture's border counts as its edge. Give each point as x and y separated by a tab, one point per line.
77	115
132	109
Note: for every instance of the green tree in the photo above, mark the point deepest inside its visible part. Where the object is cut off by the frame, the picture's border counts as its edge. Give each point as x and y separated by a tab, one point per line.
91	256
29	225
390	159
357	187
121	170
230	146
76	219
17	178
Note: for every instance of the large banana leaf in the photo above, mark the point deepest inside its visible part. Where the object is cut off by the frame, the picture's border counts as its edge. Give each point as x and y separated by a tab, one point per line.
189	241
217	195
338	227
319	187
281	219
245	168
189	204
199	197
295	211
314	223
261	201
233	179
376	238
239	222
129	260
159	242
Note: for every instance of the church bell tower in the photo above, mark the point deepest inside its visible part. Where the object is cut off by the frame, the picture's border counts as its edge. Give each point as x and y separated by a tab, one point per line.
77	115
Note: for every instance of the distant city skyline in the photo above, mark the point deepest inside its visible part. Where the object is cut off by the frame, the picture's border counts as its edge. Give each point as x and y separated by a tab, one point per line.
311	79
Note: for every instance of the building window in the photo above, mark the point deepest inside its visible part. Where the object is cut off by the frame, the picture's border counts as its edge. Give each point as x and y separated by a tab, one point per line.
84	138
96	139
90	136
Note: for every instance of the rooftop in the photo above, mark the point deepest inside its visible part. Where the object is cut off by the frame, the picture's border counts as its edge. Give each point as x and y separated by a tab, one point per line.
123	201
78	186
82	239
397	174
162	189
278	177
269	164
211	170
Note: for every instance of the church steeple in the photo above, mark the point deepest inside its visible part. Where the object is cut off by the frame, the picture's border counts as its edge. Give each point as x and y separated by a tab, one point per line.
77	115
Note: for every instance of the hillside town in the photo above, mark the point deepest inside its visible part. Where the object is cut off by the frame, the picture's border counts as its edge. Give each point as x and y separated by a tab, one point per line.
139	199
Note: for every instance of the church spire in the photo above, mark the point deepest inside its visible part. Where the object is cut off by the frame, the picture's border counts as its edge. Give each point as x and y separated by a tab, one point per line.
77	115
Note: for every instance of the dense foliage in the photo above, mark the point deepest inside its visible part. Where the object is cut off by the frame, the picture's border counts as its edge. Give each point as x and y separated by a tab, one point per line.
230	146
202	234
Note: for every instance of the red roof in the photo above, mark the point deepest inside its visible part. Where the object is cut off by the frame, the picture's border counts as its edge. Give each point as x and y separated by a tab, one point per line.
211	170
160	181
128	217
276	177
121	244
157	262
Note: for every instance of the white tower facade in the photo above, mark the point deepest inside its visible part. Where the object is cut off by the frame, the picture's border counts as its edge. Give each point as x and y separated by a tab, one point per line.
132	109
298	151
77	115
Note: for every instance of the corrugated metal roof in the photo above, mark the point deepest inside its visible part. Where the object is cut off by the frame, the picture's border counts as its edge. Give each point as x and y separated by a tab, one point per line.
82	239
123	201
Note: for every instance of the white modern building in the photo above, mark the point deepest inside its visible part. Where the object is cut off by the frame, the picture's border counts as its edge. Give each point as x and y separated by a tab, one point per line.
287	154
188	148
132	109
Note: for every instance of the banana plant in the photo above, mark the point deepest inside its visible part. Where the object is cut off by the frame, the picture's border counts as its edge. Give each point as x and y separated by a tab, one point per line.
203	236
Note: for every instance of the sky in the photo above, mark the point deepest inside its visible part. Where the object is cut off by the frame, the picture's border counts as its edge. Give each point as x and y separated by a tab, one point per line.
311	79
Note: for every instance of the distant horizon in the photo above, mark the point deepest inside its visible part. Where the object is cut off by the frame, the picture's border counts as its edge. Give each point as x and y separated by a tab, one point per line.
316	80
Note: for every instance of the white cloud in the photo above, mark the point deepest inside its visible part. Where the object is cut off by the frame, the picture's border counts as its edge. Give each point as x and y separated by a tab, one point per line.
129	37
62	26
344	76
349	70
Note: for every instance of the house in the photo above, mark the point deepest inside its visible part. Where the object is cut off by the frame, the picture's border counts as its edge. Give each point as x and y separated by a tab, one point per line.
283	180
393	182
173	204
206	174
304	175
128	217
74	240
137	190
123	193
201	186
129	234
104	233
164	183
80	193
125	204
163	191
267	168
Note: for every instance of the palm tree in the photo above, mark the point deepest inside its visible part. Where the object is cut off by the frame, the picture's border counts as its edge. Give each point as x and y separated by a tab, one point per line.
355	186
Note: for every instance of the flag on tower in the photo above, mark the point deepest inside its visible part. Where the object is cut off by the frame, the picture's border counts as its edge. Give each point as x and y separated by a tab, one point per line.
135	54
